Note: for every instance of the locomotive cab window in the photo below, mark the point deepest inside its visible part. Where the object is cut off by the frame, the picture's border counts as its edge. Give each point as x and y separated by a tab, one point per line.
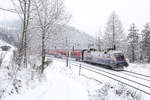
119	56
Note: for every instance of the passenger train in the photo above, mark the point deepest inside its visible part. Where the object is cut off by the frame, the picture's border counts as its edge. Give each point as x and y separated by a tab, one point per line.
110	58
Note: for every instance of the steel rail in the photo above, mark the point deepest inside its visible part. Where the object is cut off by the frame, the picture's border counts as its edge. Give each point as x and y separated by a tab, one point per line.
118	76
134	75
116	79
137	73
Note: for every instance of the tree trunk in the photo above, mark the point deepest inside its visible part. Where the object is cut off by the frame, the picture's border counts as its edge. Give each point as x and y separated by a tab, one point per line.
133	54
21	47
23	44
43	52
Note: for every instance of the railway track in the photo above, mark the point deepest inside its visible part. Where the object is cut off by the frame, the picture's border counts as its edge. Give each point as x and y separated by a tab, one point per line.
139	76
136	73
125	72
135	80
138	84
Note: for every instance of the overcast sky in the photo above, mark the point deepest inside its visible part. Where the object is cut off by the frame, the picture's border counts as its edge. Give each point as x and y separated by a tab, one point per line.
91	15
4	15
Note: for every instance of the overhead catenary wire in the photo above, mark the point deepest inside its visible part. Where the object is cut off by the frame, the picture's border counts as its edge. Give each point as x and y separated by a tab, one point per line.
8	10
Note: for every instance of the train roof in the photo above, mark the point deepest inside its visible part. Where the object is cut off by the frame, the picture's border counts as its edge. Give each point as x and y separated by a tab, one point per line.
115	51
110	51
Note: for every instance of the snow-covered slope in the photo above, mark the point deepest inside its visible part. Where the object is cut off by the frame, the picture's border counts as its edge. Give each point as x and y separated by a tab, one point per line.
81	40
9	31
76	38
139	68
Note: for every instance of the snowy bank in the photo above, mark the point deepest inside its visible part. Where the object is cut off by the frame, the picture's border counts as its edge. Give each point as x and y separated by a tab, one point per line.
55	87
139	68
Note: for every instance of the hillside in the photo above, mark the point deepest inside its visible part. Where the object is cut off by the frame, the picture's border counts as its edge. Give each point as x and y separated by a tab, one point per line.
75	38
10	32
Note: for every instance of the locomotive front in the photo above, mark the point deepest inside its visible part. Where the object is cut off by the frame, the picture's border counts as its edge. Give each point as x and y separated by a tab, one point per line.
120	60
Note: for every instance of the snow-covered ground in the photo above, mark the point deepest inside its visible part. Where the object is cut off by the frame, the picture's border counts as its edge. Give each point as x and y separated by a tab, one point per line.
57	85
64	83
139	68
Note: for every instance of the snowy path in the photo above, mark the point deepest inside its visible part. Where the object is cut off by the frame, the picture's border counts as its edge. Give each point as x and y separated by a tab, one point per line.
56	87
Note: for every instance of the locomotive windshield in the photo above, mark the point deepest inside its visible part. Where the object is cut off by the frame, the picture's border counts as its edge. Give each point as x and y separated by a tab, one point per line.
119	56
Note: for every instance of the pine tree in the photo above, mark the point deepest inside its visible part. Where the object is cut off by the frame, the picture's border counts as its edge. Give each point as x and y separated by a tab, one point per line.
133	43
146	42
114	33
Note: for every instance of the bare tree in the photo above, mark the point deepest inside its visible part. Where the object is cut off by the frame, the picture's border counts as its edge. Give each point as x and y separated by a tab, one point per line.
114	32
50	14
22	8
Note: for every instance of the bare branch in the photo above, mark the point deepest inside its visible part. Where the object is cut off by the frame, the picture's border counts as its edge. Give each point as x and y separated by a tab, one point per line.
9	10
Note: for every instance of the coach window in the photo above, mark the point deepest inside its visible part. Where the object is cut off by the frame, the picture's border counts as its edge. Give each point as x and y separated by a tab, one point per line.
73	54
